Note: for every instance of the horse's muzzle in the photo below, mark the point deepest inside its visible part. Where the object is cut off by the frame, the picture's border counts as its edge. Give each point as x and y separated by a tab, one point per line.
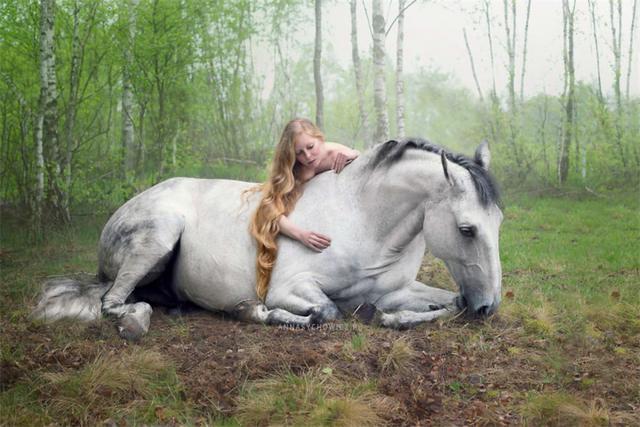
483	311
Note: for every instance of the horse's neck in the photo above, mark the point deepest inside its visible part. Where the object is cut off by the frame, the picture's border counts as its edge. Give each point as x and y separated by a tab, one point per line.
397	195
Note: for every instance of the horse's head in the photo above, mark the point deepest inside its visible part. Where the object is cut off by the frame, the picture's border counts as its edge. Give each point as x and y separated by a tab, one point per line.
462	229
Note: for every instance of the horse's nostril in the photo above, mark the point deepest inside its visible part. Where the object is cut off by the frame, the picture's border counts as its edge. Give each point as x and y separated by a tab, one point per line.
484	311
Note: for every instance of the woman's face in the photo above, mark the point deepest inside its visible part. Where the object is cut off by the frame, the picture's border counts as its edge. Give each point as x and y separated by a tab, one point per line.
308	149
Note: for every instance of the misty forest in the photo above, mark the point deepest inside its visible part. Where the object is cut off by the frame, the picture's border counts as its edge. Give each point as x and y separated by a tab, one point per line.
103	99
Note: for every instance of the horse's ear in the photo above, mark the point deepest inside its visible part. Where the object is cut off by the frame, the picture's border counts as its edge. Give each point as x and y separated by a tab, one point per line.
483	155
445	168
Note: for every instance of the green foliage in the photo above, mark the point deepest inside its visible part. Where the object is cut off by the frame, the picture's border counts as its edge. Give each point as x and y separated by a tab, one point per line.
205	106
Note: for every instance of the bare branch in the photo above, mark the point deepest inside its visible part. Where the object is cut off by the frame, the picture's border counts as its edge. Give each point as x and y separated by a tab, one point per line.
524	51
473	67
397	16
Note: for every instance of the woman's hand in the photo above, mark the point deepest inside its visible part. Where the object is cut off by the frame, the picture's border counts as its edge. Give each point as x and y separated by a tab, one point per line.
314	241
343	159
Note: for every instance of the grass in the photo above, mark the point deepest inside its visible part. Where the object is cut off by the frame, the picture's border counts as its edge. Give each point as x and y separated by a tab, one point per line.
563	349
138	385
397	359
311	398
562	409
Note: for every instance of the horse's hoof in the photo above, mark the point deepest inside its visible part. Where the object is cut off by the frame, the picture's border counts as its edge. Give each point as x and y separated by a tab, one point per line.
248	311
135	323
367	313
323	314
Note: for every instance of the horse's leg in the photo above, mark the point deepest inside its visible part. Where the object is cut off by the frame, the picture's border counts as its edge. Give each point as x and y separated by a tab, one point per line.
143	259
409	306
256	311
302	296
402	319
418	297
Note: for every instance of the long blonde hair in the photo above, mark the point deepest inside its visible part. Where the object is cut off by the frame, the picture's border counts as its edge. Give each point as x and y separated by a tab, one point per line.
280	193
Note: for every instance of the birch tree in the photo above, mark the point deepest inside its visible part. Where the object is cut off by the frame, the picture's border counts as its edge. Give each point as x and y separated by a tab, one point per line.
379	79
510	30
524	51
569	99
487	17
357	68
317	59
592	10
494	120
399	72
630	54
49	114
616	46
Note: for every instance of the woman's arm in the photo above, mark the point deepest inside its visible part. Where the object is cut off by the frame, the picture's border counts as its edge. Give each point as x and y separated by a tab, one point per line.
314	241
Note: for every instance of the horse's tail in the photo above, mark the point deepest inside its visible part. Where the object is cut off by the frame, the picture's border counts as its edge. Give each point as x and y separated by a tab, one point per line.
78	297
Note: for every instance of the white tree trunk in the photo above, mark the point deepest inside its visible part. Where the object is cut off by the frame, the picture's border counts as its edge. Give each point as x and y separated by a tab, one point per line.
317	59
364	122
592	9
617	69
491	55
568	135
630	55
399	72
379	80
524	52
49	111
37	209
511	69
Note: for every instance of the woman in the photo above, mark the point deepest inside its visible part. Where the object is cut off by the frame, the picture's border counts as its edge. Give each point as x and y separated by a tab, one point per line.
300	155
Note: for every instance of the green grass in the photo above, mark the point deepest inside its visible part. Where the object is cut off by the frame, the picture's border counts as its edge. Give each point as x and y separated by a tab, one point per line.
572	261
564	244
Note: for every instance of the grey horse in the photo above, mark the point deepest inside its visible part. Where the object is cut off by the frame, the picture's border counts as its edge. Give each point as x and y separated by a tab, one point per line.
187	240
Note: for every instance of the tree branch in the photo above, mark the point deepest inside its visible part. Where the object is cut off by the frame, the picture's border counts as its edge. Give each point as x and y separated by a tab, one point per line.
397	16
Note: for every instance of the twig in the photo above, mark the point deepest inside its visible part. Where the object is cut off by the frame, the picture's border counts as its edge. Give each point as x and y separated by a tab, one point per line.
366	13
242	161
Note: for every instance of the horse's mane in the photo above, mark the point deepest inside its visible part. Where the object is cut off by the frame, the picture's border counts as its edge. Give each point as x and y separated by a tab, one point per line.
392	151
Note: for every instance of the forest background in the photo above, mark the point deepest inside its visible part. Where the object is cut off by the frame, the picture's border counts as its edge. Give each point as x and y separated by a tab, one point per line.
101	99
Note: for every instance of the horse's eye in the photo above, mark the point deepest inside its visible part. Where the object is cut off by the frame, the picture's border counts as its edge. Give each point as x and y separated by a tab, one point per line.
467	230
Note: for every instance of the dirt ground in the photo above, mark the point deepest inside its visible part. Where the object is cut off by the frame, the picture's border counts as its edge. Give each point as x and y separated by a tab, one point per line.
214	356
447	380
